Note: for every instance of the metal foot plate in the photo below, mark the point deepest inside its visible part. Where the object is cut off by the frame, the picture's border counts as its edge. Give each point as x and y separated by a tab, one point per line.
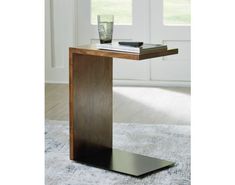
124	162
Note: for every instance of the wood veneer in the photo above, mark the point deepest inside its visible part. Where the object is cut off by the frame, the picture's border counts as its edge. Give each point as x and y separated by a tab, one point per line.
90	104
92	50
90	85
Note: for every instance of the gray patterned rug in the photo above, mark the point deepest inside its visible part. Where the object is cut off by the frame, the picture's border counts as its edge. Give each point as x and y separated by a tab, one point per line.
169	142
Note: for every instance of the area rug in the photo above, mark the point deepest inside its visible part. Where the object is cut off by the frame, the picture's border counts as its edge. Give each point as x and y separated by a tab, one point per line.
169	142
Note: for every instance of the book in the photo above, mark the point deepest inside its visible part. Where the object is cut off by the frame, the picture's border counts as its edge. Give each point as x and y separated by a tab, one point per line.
144	49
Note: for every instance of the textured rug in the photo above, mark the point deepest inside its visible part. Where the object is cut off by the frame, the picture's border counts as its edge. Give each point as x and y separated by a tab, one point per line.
169	142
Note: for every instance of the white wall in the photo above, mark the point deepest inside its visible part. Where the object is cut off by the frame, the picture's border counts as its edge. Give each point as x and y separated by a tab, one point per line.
59	35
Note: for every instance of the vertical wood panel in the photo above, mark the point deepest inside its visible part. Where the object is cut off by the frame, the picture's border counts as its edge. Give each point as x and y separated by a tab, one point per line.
90	104
71	108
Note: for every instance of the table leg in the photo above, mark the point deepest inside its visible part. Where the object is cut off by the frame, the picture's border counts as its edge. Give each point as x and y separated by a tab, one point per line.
90	105
91	119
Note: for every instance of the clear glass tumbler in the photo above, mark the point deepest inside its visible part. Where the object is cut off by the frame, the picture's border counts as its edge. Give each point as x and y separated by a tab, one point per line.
105	28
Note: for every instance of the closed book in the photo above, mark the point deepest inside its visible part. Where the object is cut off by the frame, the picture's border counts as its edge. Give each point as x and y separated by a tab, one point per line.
144	49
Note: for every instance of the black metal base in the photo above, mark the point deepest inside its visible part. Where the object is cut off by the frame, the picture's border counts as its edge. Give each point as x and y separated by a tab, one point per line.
124	162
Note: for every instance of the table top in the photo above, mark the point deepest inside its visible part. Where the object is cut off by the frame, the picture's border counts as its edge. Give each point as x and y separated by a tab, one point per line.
92	50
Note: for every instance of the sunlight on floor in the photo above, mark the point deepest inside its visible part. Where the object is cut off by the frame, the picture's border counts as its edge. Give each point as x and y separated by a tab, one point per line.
148	105
152	105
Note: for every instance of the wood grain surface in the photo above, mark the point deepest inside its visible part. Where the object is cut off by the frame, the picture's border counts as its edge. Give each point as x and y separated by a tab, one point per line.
90	104
90	97
92	50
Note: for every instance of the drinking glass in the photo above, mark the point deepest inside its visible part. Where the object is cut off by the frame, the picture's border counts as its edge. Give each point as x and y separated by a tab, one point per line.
105	28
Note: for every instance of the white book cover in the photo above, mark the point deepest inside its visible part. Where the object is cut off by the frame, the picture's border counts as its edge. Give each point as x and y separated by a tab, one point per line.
117	47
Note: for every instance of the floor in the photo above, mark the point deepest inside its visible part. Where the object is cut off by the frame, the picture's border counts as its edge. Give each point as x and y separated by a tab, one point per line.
169	142
152	105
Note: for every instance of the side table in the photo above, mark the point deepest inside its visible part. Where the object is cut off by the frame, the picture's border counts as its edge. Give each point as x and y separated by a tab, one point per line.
90	112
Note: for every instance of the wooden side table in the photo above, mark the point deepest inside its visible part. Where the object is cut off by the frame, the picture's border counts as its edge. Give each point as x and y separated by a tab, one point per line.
90	104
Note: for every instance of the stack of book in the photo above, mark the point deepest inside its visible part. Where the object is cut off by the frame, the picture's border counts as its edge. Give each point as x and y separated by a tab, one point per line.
144	49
